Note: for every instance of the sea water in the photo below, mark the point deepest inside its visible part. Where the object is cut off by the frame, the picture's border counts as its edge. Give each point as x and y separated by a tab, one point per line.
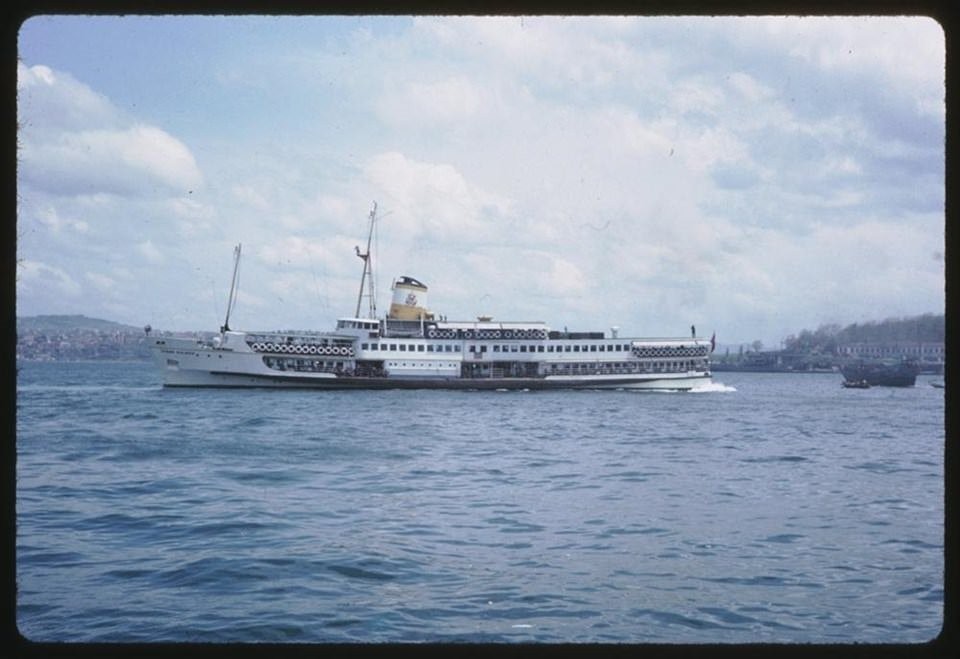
763	508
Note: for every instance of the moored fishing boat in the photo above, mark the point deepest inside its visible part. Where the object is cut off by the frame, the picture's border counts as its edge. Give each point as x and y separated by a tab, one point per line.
412	347
879	373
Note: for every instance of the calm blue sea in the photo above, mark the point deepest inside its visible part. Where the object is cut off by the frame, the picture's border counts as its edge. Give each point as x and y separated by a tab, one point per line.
768	508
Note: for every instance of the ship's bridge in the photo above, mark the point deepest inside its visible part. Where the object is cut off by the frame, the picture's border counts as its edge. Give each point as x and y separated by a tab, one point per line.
363	327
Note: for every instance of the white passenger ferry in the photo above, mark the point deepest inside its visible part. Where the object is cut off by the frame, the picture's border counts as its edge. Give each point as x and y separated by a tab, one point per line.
411	347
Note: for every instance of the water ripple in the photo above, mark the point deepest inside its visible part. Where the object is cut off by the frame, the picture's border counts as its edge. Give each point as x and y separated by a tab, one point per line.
774	511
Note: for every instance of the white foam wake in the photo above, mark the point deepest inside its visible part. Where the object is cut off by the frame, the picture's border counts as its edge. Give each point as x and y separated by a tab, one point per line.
713	387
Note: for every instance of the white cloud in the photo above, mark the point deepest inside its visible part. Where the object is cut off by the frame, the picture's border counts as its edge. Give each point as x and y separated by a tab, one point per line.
748	87
430	198
50	100
294	250
101	282
136	161
74	142
251	196
35	276
50	217
150	252
452	99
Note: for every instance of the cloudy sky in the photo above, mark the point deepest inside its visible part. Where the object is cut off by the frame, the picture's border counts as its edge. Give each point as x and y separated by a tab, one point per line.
752	176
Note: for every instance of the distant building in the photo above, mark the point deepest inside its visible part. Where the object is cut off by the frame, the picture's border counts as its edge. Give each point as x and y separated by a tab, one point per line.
927	353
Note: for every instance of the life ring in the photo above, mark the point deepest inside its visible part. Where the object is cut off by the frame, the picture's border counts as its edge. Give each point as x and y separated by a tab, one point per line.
311	350
496	334
508	334
432	333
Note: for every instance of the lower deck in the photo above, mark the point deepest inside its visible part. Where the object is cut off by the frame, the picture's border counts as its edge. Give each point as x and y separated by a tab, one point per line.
215	379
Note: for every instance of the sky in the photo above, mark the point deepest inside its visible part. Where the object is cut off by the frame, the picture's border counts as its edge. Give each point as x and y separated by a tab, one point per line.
753	177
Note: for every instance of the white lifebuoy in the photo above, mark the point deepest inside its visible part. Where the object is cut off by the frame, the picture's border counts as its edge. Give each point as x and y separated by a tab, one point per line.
342	350
432	333
311	350
507	334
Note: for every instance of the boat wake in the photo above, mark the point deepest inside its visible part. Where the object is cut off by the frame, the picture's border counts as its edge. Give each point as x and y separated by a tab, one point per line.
713	387
85	387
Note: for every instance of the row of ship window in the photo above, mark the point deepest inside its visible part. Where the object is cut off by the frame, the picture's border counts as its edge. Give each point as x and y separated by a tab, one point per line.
627	367
581	368
411	347
512	347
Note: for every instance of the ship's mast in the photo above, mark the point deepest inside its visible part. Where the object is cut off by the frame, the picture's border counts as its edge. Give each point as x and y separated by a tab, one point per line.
233	288
368	271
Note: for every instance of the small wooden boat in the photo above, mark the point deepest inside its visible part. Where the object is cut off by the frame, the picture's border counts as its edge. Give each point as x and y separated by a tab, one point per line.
856	384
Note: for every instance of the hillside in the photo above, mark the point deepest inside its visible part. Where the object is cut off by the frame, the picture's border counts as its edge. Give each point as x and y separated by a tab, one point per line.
70	323
78	338
927	328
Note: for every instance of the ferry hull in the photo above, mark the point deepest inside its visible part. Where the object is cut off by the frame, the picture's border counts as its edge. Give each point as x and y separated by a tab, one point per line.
228	380
188	377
